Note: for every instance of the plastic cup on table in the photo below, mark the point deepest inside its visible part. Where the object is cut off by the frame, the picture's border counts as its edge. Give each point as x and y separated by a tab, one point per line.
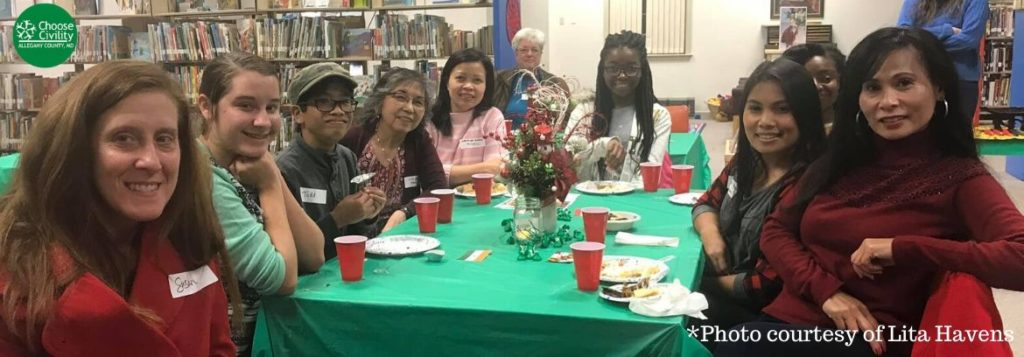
651	172
586	257
681	177
595	223
508	127
426	213
482	186
351	254
444	208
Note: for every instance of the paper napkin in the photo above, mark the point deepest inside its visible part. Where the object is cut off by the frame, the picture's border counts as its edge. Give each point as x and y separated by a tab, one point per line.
674	300
637	239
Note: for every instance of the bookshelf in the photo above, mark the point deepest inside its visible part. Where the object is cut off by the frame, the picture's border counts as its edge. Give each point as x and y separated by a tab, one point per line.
210	28
997	56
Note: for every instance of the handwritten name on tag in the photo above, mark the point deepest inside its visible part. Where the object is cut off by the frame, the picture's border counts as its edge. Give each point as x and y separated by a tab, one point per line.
411	181
312	195
191	282
472	143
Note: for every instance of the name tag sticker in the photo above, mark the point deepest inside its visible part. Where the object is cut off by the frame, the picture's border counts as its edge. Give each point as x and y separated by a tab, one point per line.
312	195
472	143
411	181
525	96
191	282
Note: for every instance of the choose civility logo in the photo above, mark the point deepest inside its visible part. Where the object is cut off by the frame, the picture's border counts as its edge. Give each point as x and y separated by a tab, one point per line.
45	35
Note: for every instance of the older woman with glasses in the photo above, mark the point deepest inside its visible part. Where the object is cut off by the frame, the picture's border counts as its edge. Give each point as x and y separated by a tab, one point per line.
393	143
511	86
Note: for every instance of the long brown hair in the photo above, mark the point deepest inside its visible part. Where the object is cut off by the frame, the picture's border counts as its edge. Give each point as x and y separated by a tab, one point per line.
928	10
53	201
218	74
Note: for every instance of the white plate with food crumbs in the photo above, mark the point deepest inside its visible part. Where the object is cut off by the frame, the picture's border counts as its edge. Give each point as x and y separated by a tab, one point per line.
401	245
630	292
466	190
688	199
626	269
605	187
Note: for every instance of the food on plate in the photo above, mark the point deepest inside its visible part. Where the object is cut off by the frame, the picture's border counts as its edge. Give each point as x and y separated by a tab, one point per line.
467	189
638	290
561	257
605	186
625	269
618	217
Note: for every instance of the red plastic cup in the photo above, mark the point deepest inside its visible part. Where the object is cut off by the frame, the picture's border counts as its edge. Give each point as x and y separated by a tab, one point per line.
351	254
444	209
595	223
426	213
586	257
508	127
681	176
651	172
482	186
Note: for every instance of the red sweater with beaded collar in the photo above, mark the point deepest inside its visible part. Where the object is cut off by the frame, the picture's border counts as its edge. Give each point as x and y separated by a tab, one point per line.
945	214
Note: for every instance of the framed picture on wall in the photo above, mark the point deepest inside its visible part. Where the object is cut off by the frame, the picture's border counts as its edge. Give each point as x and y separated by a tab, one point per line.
815	8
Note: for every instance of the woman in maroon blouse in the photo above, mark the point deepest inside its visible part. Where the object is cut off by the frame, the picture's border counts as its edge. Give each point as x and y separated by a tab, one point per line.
898	198
393	143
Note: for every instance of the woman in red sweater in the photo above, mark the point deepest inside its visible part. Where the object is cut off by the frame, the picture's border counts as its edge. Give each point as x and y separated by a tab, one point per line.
108	247
898	198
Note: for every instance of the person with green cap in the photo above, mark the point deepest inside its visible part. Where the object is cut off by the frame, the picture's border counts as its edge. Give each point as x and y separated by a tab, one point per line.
318	170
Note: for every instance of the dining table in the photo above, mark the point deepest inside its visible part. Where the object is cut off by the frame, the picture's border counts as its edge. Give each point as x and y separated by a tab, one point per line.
500	305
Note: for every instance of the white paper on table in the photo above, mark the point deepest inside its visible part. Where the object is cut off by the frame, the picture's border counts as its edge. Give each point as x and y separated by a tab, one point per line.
511	202
674	300
637	239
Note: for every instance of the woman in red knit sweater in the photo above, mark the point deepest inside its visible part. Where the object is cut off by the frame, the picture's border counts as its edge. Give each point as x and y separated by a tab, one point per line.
898	198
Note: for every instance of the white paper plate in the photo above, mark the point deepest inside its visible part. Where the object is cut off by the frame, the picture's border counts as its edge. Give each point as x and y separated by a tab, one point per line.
401	245
605	187
689	198
618	287
497	190
617	269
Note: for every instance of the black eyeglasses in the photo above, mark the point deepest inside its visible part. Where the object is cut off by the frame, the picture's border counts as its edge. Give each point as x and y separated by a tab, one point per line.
405	98
631	71
327	105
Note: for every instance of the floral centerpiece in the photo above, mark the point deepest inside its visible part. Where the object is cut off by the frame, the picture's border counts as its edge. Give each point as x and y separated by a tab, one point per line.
540	166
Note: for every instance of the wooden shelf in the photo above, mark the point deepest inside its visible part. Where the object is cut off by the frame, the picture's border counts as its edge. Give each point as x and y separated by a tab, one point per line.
19	110
999	38
284	60
204	14
313	9
433	7
113	17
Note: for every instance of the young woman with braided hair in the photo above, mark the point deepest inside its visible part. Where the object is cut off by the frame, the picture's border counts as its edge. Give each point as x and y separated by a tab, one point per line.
628	126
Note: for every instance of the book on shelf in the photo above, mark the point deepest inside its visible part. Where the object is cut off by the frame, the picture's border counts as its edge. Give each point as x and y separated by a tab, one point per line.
358	43
133	7
193	41
14	126
6	8
998	57
7	52
141	49
1000	22
996	92
87	7
98	43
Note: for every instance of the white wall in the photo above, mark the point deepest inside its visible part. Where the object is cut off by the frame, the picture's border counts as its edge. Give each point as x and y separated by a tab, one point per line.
726	41
534	14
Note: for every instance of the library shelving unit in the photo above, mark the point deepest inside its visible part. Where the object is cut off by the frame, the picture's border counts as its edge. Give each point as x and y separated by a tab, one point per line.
366	36
1013	12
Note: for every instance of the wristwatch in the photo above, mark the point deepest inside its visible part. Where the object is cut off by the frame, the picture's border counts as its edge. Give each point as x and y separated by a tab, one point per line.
408	212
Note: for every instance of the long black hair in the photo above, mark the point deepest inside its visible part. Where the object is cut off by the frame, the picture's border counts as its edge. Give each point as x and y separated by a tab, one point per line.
928	10
802	96
804	53
852	141
441	114
643	98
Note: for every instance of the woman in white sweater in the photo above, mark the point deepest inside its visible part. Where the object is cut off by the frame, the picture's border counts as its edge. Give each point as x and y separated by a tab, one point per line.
627	126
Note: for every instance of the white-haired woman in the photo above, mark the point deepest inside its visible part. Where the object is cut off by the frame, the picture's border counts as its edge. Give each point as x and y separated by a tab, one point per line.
512	84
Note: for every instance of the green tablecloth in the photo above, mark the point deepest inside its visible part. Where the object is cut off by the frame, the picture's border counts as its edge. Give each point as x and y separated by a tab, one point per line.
1001	147
500	306
688	148
8	164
